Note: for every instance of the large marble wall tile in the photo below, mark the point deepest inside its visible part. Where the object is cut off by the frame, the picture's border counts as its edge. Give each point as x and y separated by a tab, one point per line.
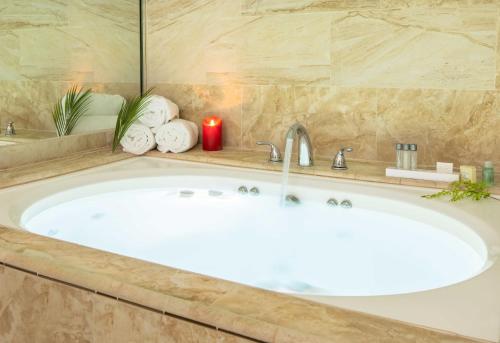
199	101
19	14
174	330
409	116
163	13
29	104
417	48
334	117
49	43
247	50
254	7
182	95
33	309
468	132
10	282
112	57
497	76
263	108
224	102
449	126
339	117
9	50
437	3
118	13
179	35
321	63
84	41
44	311
305	75
120	322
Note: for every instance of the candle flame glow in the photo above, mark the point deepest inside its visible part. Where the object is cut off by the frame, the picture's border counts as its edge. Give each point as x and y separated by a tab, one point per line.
212	121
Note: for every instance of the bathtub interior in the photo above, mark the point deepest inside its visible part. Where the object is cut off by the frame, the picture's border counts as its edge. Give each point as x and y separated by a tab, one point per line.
195	220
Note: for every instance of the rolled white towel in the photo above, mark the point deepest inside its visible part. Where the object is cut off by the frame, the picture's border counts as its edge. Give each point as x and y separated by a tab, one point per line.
179	135
159	111
138	140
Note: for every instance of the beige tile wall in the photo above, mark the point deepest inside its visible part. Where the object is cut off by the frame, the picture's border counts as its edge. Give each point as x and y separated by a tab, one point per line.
47	45
34	309
366	73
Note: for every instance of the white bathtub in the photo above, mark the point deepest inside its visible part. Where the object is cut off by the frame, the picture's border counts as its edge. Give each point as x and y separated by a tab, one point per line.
393	253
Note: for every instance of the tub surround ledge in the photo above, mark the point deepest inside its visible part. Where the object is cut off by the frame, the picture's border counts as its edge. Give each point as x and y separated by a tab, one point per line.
358	170
255	314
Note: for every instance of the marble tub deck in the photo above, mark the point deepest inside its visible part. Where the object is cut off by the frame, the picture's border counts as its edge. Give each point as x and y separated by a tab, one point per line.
26	136
358	170
254	313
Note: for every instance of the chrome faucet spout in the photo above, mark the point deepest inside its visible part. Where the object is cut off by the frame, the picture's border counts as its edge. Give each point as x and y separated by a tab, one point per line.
304	144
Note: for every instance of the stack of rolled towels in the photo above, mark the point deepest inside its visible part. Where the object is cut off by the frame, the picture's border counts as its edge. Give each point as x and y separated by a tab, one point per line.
160	127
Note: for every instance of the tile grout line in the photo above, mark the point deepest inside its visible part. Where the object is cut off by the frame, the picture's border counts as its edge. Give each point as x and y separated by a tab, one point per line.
131	303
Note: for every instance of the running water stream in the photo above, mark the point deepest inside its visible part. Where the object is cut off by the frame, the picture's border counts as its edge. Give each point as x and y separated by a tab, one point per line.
286	168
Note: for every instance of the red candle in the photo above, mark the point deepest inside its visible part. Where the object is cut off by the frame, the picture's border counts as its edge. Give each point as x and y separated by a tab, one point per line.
212	134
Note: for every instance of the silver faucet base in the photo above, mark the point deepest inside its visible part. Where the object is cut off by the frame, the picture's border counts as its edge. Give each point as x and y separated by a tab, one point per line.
339	160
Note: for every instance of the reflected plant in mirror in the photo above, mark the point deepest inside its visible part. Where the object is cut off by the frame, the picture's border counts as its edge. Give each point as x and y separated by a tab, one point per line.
70	108
48	47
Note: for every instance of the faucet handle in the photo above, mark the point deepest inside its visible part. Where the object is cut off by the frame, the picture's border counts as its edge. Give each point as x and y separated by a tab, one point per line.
275	154
10	130
339	160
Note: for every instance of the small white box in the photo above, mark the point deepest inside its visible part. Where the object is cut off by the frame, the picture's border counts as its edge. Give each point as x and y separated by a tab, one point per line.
444	168
421	174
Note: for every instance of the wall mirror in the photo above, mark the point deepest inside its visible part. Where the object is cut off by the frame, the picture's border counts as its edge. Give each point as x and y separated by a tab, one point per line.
47	47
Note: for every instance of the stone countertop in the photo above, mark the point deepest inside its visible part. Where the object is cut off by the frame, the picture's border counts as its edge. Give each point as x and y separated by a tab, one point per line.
257	313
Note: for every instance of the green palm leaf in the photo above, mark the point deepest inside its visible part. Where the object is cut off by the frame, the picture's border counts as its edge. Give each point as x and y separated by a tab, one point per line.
129	113
70	108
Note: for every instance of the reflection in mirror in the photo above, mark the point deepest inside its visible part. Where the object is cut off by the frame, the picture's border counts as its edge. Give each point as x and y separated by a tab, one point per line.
48	46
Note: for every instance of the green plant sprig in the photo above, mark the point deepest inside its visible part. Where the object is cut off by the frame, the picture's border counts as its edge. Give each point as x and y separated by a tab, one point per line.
129	113
70	108
461	190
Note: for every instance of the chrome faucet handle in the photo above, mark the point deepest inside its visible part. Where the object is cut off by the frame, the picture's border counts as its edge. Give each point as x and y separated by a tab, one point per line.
10	130
275	154
339	160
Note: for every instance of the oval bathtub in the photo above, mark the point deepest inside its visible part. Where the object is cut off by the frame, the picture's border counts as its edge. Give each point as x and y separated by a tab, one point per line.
192	217
202	224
